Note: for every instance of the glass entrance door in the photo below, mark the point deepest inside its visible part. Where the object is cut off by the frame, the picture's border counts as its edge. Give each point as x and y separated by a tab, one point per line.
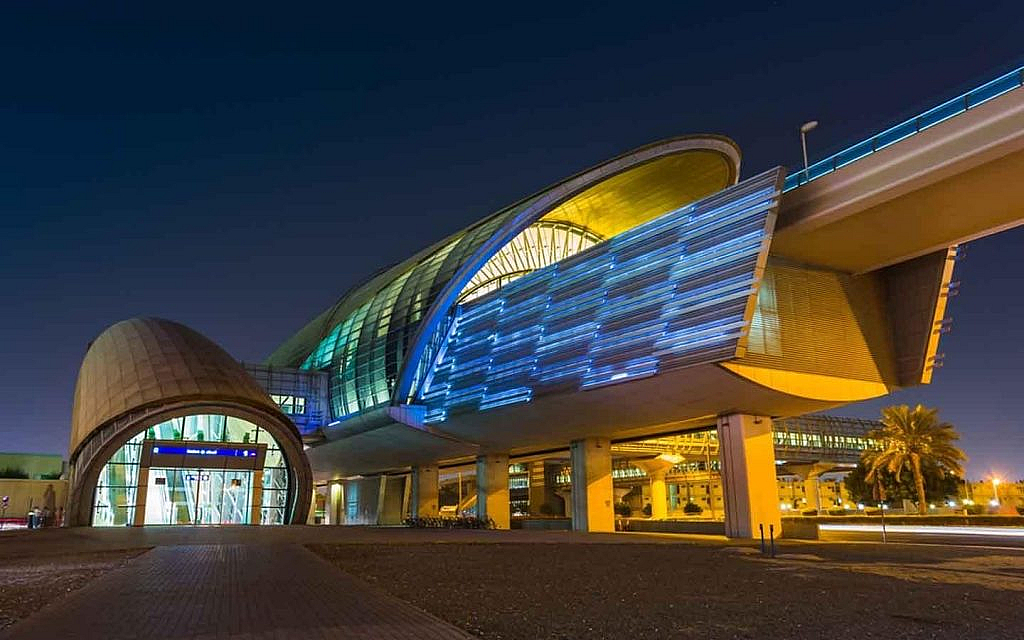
198	496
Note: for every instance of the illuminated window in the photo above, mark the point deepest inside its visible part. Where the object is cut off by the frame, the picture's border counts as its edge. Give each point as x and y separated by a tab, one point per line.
536	247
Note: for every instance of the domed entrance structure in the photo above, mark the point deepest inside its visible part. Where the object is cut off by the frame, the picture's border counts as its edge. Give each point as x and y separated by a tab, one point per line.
167	428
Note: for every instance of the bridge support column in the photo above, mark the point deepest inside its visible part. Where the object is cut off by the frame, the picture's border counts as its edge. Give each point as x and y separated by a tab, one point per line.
424	492
656	470
492	489
747	455
811	476
592	490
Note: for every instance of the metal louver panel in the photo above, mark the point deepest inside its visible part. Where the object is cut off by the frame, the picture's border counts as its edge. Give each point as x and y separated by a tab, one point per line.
673	292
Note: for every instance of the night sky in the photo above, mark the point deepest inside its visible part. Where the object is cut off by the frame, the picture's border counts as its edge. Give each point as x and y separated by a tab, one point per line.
238	169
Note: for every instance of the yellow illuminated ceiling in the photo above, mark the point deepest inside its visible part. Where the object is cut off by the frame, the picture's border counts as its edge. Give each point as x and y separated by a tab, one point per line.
644	192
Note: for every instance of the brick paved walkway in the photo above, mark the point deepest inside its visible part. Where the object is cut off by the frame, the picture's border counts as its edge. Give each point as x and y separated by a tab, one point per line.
272	591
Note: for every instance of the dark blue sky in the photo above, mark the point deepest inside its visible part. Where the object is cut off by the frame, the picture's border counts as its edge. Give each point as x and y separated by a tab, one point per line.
237	169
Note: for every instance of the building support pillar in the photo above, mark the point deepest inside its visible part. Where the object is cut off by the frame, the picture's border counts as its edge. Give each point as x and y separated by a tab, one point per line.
382	490
592	492
424	492
390	498
336	507
659	496
747	455
492	489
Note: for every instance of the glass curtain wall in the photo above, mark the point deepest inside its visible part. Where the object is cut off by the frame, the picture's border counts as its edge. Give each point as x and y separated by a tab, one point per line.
117	487
366	345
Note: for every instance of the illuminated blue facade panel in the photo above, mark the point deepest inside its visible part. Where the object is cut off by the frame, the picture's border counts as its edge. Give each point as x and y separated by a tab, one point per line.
670	293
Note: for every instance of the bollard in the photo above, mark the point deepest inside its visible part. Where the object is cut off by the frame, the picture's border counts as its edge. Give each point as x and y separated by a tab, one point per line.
771	533
761	527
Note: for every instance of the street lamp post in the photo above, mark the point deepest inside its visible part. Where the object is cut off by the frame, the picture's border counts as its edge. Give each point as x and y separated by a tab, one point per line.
804	128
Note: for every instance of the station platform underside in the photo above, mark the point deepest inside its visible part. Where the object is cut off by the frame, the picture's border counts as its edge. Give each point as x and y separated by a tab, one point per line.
743	472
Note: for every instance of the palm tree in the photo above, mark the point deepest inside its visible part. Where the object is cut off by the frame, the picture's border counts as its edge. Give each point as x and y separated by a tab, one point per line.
909	437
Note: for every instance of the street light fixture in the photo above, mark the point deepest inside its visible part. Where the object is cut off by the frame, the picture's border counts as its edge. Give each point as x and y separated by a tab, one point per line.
995	489
804	128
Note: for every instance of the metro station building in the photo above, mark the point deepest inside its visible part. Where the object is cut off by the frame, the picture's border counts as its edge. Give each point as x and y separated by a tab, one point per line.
654	317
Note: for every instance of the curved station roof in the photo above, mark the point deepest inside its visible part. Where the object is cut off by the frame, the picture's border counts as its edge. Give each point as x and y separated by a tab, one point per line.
373	339
652	269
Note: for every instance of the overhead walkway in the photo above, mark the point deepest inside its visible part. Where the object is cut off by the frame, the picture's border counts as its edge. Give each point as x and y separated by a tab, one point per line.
944	177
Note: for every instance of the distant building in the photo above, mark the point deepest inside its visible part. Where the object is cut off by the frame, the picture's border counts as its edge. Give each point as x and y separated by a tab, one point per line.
35	466
30	480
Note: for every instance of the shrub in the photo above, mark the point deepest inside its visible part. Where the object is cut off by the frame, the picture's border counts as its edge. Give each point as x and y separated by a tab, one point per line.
975	509
837	512
692	508
1020	510
809	512
624	510
13	472
648	510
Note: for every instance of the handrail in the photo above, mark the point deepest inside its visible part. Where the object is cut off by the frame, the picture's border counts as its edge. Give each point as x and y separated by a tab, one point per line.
907	128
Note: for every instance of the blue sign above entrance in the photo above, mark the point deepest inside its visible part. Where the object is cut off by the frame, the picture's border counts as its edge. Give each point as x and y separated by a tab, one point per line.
204	451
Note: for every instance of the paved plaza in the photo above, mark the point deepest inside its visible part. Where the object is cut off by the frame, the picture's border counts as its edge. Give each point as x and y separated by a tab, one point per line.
365	582
254	589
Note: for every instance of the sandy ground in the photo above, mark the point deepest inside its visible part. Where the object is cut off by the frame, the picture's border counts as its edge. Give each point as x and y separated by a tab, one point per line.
29	583
521	591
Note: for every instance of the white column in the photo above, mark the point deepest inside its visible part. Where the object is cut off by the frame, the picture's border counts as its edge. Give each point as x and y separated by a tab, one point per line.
747	455
592	491
492	489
